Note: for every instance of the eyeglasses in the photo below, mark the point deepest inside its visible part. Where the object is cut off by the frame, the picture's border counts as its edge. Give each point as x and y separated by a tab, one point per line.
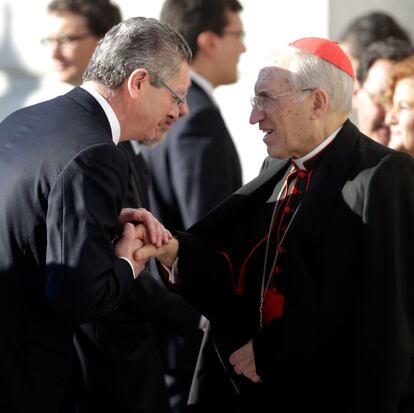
261	102
239	34
179	100
64	40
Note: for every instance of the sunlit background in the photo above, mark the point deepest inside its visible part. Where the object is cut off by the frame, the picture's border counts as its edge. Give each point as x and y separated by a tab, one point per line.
24	63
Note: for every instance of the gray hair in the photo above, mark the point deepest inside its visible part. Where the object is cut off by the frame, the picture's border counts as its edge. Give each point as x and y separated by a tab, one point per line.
309	71
135	43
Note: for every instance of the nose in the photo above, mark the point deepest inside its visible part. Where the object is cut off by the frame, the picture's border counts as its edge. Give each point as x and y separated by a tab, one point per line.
184	110
256	115
243	47
56	51
176	110
390	117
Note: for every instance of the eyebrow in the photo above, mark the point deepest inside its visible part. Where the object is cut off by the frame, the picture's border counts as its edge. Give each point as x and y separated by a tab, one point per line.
265	92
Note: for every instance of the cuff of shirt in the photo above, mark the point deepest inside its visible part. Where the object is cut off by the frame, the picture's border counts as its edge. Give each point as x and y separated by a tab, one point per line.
172	272
203	323
130	263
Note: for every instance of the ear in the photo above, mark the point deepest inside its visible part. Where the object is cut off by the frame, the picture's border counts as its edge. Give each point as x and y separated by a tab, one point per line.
320	103
136	80
355	93
207	42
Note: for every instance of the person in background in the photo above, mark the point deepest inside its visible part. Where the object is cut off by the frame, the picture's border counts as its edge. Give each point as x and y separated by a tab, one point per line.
197	165
369	28
75	27
117	363
400	99
373	77
62	183
305	273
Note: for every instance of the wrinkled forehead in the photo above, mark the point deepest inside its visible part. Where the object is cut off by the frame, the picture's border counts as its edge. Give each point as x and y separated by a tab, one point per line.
274	78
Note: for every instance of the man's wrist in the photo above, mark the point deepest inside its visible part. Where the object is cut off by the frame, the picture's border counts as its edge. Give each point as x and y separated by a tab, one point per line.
130	263
170	256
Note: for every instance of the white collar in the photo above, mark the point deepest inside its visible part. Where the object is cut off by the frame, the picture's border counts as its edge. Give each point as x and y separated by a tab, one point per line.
204	84
135	146
301	161
109	112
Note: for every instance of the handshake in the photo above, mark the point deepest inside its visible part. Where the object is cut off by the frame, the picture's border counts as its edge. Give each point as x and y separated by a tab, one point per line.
142	237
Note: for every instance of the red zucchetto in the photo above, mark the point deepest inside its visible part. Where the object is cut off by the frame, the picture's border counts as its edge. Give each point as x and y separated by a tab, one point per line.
327	50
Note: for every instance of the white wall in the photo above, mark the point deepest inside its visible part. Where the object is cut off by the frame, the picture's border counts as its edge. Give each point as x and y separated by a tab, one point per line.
268	23
342	12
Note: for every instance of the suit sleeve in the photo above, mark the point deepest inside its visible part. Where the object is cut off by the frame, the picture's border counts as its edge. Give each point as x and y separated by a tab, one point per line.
206	280
204	165
84	279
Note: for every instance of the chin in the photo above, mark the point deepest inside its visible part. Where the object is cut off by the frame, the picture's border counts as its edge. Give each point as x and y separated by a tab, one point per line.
275	154
382	138
70	80
152	142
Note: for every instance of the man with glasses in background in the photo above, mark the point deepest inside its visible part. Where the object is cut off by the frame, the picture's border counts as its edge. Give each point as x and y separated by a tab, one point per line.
197	165
74	29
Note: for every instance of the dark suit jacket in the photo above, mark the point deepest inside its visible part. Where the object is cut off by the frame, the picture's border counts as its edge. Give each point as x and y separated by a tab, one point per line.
345	341
193	169
118	365
62	181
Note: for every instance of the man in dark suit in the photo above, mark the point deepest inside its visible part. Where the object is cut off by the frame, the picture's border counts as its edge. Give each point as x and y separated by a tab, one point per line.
62	184
305	273
117	363
197	165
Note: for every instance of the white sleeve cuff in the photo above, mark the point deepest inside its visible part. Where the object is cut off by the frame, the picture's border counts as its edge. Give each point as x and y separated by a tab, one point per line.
203	323
172	272
130	263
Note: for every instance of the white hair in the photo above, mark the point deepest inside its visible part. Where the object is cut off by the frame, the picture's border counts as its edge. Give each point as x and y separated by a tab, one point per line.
309	71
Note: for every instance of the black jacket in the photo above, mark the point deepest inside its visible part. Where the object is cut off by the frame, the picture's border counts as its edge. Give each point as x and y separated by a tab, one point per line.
62	182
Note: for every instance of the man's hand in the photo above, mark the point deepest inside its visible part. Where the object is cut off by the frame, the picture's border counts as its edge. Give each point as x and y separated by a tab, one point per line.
243	362
127	244
166	254
156	232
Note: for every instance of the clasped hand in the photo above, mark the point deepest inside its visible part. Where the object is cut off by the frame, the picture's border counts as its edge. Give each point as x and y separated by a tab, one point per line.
140	229
144	237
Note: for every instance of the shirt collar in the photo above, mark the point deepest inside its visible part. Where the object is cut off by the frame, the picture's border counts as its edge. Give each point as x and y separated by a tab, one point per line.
109	112
204	84
135	146
300	162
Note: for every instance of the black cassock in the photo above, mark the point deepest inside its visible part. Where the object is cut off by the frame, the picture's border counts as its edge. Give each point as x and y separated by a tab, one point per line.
344	342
